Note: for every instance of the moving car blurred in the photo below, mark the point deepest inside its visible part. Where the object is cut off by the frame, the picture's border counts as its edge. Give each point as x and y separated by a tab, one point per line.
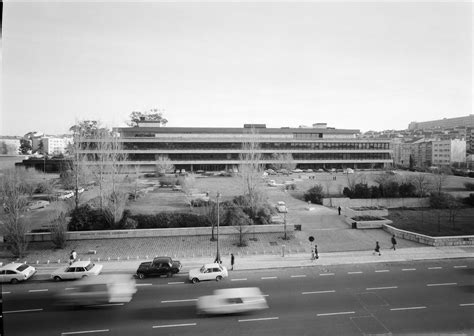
111	289
16	272
208	272
77	270
231	301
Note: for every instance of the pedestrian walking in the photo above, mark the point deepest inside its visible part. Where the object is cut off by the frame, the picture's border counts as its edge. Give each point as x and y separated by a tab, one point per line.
316	251
394	242
377	248
232	259
312	254
339	210
72	257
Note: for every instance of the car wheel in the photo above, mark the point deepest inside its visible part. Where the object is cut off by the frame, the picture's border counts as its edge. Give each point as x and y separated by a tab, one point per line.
57	278
195	280
169	274
140	275
84	276
218	278
14	281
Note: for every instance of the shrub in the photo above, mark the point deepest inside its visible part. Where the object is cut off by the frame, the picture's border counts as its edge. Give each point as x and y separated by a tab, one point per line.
469	185
166	220
315	195
407	190
347	192
291	186
361	191
86	218
469	200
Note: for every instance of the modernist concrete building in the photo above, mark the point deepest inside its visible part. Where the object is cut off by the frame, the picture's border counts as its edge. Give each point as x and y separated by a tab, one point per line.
447	152
211	149
467	121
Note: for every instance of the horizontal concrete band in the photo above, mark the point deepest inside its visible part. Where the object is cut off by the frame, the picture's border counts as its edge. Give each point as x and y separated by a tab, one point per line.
388	203
371	224
428	240
142	233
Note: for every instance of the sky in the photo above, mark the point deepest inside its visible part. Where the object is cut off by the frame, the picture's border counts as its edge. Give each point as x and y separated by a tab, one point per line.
373	65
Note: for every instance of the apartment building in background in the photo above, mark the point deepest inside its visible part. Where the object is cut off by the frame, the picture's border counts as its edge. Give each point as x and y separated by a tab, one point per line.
9	145
467	121
448	152
55	145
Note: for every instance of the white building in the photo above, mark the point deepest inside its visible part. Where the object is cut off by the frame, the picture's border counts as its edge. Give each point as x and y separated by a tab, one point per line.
55	145
447	152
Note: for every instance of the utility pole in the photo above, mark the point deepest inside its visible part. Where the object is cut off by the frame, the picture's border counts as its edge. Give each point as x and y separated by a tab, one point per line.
218	255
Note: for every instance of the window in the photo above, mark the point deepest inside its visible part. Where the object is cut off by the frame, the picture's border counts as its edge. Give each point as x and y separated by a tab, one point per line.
89	267
10	272
71	269
21	268
80	269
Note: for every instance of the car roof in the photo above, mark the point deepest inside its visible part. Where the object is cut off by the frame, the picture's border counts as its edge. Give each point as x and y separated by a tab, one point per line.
239	292
11	266
80	263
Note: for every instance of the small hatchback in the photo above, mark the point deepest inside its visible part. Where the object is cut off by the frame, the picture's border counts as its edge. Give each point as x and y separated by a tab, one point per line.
16	272
208	272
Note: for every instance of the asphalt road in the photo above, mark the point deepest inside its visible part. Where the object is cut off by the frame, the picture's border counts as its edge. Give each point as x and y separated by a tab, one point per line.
397	298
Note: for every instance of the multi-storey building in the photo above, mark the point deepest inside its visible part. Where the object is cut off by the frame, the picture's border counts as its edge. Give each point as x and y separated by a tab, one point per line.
55	145
9	145
401	153
196	148
467	121
447	152
422	152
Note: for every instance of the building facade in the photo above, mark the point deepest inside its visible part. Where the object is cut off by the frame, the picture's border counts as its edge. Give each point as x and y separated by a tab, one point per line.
467	121
211	149
448	152
55	145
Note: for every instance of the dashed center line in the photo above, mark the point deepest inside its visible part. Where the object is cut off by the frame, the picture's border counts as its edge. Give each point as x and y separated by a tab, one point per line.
173	301
460	266
144	284
242	279
382	271
84	332
299	276
443	284
466	304
259	319
22	311
175	282
358	272
374	288
6	292
271	277
319	292
408	269
37	290
109	304
408	308
175	325
433	268
339	313
323	274
71	288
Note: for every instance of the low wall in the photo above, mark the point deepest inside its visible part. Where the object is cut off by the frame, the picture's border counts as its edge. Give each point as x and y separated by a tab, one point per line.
375	224
141	233
350	212
379	202
428	240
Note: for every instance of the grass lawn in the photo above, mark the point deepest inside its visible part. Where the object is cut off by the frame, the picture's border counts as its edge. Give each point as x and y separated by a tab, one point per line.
426	221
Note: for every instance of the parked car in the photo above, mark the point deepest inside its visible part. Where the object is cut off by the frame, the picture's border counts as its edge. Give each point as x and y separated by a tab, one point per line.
231	301
66	195
36	205
159	266
297	170
177	188
208	272
281	207
16	272
77	270
99	290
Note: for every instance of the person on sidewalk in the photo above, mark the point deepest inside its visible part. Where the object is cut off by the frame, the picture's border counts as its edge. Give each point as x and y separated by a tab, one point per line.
232	259
316	251
72	257
312	255
394	242
339	210
377	248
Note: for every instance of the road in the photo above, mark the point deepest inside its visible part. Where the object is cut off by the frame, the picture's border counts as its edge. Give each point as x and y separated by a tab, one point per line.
392	298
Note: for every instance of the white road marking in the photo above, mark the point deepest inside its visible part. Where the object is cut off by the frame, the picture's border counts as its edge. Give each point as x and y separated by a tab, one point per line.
242	279
69	288
144	284
22	311
408	269
461	266
466	304
322	274
176	283
319	292
382	271
432	268
272	277
109	304
259	319
359	272
37	290
442	284
84	332
175	325
299	276
374	288
6	292
173	301
408	308
339	313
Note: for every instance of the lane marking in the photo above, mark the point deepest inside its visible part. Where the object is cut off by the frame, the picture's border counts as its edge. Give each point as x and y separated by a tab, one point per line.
259	319
84	332
175	325
319	292
432	268
339	313
144	284
408	269
299	276
69	288
6	292
442	284
374	288
461	266
322	274
173	301
22	311
242	279
175	282
109	304
271	277
358	272
37	290
466	304
382	271
408	308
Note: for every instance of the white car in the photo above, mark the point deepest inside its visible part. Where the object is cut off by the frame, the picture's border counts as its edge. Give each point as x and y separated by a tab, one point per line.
16	272
281	207
231	301
208	272
66	195
36	205
77	270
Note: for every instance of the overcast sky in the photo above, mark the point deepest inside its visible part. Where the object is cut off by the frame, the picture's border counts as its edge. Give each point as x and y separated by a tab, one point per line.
363	65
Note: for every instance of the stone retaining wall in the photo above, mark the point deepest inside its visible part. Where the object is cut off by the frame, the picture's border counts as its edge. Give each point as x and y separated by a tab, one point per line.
428	240
141	233
350	212
379	202
375	224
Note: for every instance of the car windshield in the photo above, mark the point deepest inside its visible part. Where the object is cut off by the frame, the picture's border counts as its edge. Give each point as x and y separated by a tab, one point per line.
22	267
203	269
89	267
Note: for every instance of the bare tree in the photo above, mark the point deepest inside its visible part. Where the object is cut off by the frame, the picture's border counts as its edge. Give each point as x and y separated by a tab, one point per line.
210	211
14	203
283	161
439	180
163	164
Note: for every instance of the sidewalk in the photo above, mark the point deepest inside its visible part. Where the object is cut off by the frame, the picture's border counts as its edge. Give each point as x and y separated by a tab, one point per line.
254	262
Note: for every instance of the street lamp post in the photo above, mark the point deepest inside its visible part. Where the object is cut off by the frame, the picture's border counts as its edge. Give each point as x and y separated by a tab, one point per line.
218	255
